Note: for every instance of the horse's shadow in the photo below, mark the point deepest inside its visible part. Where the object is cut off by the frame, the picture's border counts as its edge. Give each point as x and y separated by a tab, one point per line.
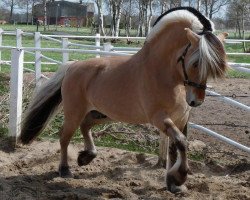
7	145
49	186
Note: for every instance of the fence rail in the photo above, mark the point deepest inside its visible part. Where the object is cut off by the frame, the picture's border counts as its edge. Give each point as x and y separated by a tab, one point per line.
17	67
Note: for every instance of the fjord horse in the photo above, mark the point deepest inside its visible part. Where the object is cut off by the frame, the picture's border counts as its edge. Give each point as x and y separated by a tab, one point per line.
157	85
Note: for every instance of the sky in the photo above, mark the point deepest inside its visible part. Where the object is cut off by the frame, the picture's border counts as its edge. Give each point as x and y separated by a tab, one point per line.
221	13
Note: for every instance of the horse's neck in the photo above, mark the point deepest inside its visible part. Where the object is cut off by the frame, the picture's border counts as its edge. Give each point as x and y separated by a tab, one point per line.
162	51
158	59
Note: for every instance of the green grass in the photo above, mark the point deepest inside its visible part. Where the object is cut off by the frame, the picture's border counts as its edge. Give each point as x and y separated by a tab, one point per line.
237	74
50	30
114	140
4	84
3	131
28	41
197	156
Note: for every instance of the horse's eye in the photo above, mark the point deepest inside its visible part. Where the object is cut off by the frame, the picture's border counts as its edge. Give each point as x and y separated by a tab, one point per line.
195	65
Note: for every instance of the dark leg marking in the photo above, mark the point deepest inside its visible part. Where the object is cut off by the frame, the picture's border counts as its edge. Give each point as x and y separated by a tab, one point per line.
185	130
64	172
172	153
85	157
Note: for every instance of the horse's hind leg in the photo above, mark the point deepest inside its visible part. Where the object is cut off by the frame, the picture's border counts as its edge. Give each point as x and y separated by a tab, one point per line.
89	153
66	133
74	112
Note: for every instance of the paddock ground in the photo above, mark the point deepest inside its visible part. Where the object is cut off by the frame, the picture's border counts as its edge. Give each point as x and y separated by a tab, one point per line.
219	171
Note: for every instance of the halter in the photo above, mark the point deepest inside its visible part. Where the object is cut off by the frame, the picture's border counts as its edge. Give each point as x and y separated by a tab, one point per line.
186	81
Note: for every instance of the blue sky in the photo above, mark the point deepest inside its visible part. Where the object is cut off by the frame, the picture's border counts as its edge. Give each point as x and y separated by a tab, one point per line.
220	14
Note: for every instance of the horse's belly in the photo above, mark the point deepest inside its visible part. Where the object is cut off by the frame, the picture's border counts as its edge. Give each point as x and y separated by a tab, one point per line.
120	110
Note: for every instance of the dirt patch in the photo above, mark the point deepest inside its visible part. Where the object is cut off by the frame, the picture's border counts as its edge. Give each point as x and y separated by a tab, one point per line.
31	173
222	173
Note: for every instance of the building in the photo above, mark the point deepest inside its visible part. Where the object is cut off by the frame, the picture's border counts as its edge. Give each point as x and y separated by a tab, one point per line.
65	13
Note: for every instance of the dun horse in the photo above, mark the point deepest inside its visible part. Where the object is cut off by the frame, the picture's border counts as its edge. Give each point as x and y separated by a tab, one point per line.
157	85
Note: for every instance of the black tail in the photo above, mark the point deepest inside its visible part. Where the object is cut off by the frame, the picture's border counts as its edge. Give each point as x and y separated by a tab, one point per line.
42	107
35	120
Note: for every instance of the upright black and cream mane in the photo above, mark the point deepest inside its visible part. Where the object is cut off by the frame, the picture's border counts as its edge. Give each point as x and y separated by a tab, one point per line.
211	54
207	26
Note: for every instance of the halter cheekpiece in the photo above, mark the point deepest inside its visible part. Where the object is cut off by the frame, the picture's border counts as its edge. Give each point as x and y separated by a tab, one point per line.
186	81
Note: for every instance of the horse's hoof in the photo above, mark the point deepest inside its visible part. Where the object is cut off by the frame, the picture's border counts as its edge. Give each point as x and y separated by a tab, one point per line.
178	189
175	186
64	172
85	157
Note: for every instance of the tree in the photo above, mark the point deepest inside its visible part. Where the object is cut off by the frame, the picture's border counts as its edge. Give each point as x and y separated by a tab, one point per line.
198	5
45	14
175	3
27	4
127	12
115	12
241	10
164	5
213	6
99	4
4	13
11	5
145	16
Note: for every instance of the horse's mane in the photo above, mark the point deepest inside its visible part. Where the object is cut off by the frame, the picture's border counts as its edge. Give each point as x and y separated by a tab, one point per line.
207	24
210	55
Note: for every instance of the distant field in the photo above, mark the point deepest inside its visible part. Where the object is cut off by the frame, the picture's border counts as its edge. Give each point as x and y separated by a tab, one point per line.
28	41
90	31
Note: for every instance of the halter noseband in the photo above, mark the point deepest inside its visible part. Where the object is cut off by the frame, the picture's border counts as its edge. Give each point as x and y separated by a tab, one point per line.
186	81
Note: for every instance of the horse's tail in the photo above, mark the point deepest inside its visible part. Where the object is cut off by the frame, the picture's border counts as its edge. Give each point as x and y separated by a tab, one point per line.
44	104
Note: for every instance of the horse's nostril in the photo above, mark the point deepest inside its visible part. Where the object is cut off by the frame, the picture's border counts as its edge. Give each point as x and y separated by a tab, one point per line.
192	103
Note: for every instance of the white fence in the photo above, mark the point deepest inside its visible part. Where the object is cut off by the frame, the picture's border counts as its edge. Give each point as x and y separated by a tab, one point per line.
17	67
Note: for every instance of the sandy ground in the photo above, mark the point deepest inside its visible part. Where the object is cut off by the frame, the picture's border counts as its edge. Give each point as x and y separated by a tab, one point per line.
224	173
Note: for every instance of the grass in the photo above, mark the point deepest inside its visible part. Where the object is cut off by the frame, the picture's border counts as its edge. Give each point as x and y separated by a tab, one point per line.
4	84
197	156
50	30
237	74
28	41
109	139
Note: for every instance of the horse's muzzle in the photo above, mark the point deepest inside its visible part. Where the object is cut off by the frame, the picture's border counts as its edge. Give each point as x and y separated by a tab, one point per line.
195	103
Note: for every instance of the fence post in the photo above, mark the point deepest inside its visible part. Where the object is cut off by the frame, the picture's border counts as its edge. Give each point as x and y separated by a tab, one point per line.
38	59
65	55
1	40
107	47
16	85
98	43
19	38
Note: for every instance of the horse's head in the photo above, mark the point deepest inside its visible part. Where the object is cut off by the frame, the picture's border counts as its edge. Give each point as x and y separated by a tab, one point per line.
204	57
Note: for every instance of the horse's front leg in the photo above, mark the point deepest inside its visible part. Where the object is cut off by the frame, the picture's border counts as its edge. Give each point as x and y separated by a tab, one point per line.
172	151
167	149
177	174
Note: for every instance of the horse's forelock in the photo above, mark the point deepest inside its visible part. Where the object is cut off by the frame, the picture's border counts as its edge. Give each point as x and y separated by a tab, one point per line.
210	56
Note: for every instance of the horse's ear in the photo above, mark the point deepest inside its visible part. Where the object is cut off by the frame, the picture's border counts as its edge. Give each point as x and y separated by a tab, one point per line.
222	36
192	36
